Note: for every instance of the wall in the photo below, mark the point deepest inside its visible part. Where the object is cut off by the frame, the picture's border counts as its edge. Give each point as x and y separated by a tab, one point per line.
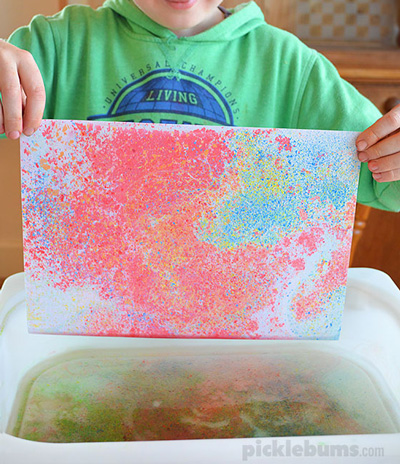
16	13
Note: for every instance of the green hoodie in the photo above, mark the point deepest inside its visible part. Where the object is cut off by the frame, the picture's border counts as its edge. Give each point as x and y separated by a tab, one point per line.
115	63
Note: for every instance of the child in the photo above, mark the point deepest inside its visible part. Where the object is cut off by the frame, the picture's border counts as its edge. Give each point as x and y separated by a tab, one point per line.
189	62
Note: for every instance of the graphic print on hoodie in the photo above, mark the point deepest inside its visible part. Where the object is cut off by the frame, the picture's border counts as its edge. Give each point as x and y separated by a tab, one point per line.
183	98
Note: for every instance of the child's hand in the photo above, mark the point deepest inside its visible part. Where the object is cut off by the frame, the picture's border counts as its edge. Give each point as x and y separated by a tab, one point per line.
380	146
22	92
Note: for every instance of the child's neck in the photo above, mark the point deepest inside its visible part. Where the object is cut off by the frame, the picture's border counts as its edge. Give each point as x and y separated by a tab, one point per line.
219	16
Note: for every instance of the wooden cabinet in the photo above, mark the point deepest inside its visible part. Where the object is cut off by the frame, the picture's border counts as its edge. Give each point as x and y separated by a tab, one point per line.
376	74
372	64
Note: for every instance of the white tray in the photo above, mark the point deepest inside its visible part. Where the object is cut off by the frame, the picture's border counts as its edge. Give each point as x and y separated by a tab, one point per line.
370	337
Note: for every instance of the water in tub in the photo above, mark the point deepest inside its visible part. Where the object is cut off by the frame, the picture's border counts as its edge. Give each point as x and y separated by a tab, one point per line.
95	396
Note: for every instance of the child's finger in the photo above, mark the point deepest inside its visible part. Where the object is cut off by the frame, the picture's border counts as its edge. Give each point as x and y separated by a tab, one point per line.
387	124
33	88
389	176
1	119
11	100
387	165
385	147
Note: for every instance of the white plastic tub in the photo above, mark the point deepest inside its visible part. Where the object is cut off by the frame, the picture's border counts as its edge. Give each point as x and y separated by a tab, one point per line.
369	346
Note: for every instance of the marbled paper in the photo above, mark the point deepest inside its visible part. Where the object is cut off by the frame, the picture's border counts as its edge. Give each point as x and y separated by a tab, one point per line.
187	231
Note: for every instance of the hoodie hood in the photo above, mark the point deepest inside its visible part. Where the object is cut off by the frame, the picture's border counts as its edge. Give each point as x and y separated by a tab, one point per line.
244	19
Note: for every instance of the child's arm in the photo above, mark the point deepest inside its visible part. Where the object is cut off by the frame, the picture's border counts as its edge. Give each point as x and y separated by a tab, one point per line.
379	145
22	92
